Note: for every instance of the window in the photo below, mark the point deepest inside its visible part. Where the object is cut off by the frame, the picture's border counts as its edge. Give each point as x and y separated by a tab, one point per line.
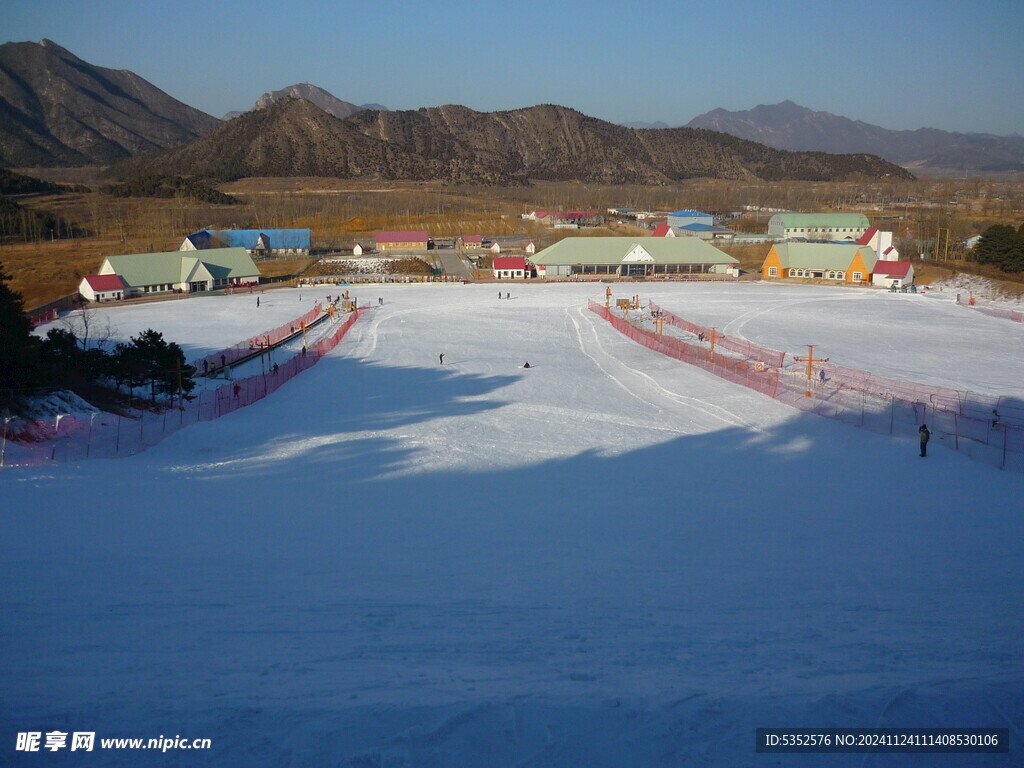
773	271
857	277
831	275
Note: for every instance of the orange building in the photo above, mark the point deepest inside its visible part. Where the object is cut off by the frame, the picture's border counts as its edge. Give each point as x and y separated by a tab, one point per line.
822	261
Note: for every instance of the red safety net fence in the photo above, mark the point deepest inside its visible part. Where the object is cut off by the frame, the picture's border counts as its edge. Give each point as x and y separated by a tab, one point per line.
109	435
43	317
962	421
750	374
260	341
747	349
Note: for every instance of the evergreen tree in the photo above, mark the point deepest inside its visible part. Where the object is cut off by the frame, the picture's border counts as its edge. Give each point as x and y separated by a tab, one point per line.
17	344
1002	246
149	358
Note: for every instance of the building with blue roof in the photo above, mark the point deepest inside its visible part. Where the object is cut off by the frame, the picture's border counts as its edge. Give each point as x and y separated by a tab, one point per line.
706	231
260	243
683	218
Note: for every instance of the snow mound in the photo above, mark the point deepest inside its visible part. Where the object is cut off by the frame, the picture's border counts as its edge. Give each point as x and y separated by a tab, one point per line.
59	403
981	288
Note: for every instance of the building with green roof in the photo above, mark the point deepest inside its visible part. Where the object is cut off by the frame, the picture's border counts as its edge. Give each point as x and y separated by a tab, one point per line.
630	257
825	227
181	271
823	261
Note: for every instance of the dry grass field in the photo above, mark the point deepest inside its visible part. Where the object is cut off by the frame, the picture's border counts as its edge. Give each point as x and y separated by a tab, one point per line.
342	212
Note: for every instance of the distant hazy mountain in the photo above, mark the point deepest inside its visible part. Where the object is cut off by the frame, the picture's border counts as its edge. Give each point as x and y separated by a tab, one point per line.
641	124
792	127
294	137
326	101
57	110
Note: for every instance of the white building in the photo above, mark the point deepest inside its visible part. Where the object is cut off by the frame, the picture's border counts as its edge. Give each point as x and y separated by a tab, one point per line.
181	271
821	227
509	267
881	242
890	273
102	288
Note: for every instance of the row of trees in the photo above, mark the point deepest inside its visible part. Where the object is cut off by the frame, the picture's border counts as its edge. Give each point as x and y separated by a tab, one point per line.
1003	246
74	361
166	187
28	224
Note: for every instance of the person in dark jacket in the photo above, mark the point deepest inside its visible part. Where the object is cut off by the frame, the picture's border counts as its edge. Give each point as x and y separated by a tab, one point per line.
925	436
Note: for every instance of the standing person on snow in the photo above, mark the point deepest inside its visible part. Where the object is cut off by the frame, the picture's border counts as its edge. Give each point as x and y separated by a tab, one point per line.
257	302
925	436
441	357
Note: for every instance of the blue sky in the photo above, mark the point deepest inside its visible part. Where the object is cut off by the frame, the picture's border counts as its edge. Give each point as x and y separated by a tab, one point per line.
955	66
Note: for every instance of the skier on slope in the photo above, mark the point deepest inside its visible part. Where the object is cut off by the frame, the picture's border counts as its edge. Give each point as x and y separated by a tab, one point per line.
925	437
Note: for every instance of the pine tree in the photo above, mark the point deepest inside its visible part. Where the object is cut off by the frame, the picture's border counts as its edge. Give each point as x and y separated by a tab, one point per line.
17	344
1002	246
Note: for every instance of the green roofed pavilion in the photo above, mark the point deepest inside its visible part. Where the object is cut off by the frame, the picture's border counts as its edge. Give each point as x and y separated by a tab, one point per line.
630	257
182	271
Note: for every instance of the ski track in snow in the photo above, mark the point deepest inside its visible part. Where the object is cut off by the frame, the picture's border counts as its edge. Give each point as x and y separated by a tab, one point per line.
703	407
735	327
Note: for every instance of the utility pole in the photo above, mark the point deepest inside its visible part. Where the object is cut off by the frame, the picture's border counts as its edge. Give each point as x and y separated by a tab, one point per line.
811	360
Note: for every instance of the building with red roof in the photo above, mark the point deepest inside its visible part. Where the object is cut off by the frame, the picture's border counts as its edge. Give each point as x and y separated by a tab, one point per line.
102	287
509	268
663	230
893	273
881	242
416	241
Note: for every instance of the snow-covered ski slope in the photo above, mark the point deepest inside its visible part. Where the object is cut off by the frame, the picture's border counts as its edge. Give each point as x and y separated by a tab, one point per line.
609	559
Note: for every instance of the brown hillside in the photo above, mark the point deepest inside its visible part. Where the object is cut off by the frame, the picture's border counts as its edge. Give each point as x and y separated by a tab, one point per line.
459	145
57	110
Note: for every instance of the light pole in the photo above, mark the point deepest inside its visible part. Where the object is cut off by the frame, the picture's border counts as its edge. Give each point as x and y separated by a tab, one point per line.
56	435
3	449
88	445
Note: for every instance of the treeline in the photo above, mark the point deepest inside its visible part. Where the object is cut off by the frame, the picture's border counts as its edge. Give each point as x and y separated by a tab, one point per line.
165	187
63	360
1003	246
12	183
29	224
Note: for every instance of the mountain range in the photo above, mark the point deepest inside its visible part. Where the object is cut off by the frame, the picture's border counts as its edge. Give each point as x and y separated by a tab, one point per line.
57	110
294	137
792	127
